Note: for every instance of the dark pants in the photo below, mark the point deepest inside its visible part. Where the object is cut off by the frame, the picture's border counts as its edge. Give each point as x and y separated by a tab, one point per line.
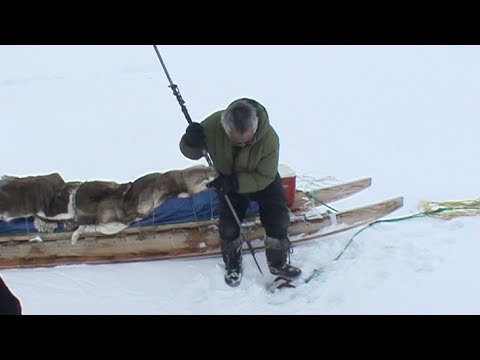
274	214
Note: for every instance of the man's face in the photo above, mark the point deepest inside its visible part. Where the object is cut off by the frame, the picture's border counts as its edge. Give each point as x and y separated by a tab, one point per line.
242	140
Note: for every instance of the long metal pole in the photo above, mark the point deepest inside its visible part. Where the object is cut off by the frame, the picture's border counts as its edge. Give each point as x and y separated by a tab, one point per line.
180	100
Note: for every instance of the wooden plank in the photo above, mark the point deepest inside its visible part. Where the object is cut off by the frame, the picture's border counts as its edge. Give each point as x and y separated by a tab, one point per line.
337	192
152	244
329	194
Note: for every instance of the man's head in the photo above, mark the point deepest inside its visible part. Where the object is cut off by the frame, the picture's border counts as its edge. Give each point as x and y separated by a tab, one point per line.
240	122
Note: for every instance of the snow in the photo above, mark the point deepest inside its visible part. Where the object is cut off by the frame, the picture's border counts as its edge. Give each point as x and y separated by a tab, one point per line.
407	116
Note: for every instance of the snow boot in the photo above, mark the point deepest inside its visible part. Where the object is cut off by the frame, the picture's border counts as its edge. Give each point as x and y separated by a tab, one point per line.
232	257
276	251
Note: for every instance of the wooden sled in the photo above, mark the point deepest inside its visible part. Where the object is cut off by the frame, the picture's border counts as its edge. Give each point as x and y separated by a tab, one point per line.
192	239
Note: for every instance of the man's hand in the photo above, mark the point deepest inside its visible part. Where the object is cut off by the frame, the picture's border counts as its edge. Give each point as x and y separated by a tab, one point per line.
194	136
224	184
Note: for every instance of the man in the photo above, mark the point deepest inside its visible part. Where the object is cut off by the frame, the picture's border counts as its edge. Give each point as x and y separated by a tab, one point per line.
244	149
9	303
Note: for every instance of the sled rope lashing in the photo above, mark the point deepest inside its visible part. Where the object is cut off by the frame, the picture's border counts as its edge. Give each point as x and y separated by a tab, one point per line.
74	203
195	213
311	183
312	197
445	210
193	210
331	211
26	223
153	217
211	205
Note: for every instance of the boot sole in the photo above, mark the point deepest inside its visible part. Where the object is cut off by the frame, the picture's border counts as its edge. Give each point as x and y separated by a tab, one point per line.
279	273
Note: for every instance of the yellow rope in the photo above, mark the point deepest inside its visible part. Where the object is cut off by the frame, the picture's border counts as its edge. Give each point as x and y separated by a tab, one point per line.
451	208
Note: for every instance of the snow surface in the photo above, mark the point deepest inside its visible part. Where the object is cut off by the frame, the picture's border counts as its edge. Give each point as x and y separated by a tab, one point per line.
407	116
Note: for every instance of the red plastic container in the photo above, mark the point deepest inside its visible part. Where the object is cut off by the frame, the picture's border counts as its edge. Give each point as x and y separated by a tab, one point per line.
289	182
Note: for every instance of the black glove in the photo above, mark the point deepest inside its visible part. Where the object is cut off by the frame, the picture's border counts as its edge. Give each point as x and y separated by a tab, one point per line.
224	184
194	136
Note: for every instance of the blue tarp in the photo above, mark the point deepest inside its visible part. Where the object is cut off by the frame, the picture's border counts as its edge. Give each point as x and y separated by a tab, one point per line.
201	206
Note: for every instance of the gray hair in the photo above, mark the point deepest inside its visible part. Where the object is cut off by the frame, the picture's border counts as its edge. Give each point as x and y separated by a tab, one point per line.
239	116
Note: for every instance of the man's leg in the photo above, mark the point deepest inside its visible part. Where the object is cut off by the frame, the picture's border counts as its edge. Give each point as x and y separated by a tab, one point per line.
275	218
230	240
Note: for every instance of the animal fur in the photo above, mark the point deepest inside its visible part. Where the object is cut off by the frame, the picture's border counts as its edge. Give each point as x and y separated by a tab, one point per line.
97	206
22	197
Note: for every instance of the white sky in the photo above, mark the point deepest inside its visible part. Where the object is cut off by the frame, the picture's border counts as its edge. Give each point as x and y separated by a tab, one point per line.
408	116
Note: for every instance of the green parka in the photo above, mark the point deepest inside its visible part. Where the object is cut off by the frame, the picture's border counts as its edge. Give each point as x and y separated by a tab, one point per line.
255	165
